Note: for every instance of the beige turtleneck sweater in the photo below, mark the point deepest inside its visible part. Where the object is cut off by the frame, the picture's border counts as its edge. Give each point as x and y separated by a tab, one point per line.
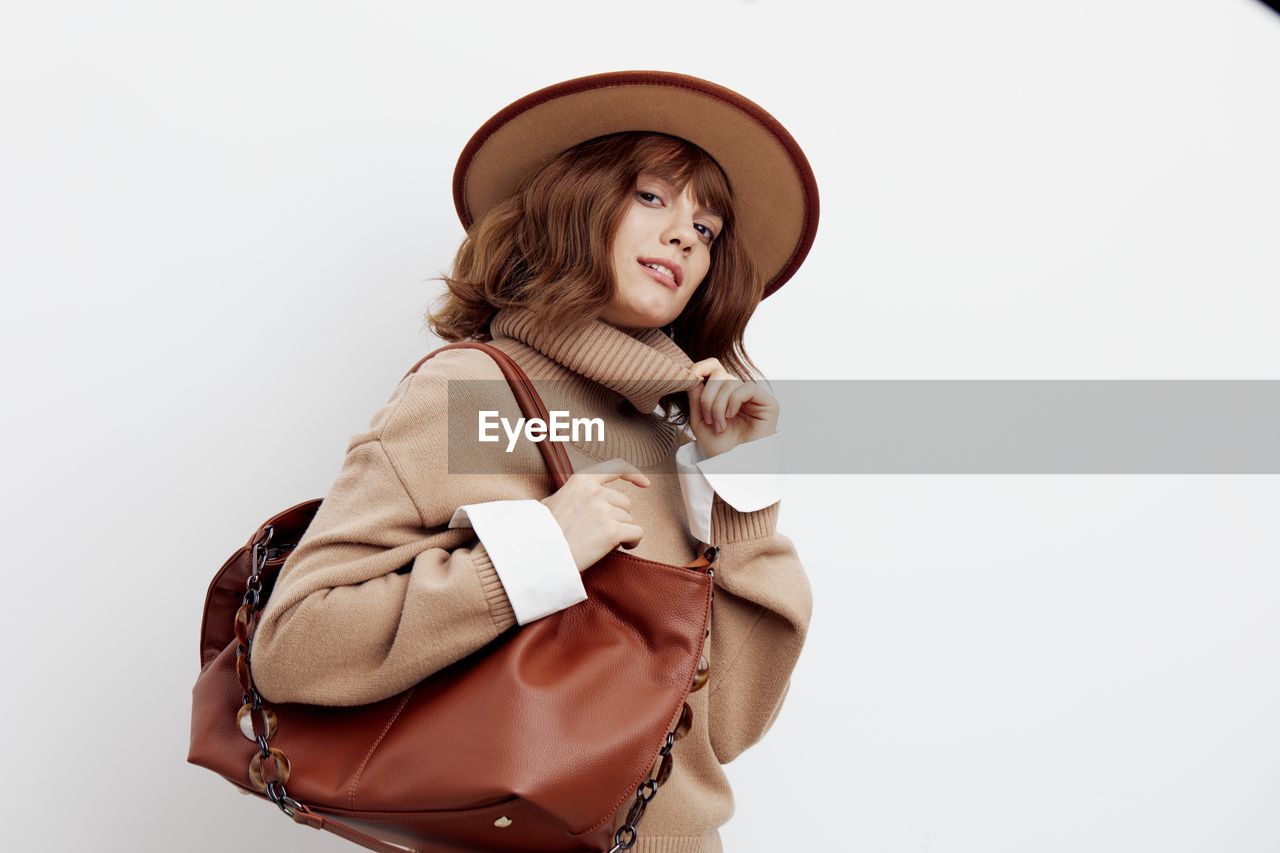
327	636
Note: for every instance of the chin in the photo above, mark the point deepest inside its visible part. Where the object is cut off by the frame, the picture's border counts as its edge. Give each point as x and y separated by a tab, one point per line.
641	316
654	321
641	325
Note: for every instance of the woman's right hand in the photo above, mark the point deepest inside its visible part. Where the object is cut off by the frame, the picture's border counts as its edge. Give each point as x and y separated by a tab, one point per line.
596	519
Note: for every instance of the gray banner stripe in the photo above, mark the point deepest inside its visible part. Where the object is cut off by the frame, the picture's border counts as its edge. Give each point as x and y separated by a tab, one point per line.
1007	426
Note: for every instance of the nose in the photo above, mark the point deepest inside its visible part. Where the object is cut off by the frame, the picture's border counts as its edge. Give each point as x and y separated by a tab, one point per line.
680	234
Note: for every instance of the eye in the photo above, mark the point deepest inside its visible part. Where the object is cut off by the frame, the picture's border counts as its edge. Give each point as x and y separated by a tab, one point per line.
706	232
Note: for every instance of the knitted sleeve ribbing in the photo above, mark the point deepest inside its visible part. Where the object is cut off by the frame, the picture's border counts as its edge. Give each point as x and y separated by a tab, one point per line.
763	603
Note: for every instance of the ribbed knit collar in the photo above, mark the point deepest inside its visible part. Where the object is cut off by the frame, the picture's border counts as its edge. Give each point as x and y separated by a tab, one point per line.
598	358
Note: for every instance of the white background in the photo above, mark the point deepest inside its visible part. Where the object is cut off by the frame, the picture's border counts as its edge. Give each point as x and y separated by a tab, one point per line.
218	223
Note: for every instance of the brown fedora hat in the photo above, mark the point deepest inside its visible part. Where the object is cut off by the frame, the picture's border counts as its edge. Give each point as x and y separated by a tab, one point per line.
774	190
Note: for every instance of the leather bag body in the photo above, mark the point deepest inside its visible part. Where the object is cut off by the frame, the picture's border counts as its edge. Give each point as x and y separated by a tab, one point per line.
539	741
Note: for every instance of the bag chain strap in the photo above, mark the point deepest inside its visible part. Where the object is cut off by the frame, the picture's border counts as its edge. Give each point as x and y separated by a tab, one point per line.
269	767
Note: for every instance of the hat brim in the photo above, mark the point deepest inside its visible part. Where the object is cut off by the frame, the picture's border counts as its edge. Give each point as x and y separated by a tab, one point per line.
774	189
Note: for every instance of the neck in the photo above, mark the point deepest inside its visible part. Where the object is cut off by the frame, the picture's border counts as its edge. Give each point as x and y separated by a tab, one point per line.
640	365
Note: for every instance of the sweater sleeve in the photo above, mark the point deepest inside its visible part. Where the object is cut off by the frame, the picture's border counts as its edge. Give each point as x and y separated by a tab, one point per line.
530	553
380	592
760	616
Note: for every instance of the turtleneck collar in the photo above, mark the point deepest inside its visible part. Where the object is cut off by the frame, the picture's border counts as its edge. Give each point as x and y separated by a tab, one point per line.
642	366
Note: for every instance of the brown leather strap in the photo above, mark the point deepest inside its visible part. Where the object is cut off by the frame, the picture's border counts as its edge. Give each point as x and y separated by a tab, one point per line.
307	817
531	405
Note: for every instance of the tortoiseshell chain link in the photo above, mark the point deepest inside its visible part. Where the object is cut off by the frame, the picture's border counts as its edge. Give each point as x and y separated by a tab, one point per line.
269	769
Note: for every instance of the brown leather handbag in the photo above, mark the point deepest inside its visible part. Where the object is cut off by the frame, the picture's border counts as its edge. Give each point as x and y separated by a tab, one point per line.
538	741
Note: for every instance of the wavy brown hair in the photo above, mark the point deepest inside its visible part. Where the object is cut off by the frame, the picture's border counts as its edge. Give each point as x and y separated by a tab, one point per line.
547	248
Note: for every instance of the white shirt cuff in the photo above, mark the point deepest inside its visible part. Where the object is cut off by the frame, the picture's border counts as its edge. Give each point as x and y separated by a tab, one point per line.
529	552
748	478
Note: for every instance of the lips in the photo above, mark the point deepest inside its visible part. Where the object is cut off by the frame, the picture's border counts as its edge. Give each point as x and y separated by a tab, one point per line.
662	278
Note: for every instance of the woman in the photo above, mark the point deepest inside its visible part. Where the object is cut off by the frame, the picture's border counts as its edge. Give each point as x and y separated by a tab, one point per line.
619	273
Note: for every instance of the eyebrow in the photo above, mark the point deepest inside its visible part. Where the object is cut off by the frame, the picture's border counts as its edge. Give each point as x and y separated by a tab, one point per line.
669	185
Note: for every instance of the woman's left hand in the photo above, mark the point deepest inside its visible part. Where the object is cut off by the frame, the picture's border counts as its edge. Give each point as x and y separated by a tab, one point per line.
724	411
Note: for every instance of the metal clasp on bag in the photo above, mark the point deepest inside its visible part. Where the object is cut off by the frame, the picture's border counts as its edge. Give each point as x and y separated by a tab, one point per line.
708	557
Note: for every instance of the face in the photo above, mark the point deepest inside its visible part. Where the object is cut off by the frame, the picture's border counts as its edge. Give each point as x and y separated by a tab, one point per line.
664	229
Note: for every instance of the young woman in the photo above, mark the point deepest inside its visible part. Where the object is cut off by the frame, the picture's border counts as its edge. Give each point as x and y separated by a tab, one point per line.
622	229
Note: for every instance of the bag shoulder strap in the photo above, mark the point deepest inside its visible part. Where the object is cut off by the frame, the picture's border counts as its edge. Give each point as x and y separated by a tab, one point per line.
305	816
531	405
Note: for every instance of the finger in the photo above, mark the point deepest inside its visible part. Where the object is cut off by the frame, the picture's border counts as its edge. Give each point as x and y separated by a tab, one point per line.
629	535
712	373
708	367
616	469
619	514
722	402
740	395
695	402
617	498
709	411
